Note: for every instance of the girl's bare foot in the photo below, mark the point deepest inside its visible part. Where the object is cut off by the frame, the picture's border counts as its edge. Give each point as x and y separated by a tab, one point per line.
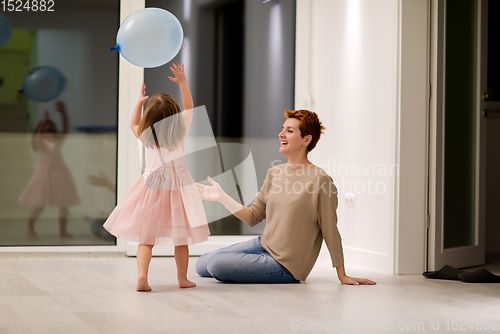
142	283
31	234
185	283
66	235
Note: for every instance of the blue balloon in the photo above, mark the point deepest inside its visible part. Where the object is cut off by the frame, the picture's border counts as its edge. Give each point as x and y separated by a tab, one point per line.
5	29
149	37
43	84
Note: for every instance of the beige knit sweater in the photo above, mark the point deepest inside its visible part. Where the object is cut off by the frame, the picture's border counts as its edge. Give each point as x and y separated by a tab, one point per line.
300	205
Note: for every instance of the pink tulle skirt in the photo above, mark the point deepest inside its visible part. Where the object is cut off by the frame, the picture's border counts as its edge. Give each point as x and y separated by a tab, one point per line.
162	208
50	186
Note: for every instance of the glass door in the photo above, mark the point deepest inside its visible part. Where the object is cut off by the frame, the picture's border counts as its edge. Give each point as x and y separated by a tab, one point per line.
460	39
58	125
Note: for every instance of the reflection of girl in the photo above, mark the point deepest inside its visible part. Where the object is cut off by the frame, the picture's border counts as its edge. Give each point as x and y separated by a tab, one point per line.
52	184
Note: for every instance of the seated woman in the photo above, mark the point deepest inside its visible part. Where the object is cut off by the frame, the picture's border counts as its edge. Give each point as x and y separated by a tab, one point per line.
299	201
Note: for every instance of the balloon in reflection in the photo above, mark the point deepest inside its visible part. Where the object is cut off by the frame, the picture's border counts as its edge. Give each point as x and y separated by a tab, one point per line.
5	29
149	37
43	84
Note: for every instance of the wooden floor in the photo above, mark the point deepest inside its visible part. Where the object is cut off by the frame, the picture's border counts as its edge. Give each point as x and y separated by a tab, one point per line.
88	294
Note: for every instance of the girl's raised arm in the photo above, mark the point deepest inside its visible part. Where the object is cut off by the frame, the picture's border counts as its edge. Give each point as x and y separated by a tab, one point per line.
187	98
136	115
61	108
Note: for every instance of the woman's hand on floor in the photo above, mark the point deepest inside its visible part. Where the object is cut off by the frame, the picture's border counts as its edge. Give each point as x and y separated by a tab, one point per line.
356	281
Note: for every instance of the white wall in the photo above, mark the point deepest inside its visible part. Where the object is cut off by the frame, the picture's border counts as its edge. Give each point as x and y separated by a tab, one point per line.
348	67
412	138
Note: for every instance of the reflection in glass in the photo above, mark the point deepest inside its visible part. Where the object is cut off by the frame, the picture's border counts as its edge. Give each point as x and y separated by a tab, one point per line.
52	184
58	136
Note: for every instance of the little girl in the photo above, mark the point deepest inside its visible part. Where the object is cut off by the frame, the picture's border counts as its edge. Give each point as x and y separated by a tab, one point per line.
52	184
164	206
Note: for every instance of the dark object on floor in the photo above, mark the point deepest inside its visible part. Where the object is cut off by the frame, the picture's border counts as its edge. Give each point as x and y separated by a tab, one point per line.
479	276
99	231
447	272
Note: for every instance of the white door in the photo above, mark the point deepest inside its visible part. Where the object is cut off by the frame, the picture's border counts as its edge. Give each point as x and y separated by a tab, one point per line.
457	152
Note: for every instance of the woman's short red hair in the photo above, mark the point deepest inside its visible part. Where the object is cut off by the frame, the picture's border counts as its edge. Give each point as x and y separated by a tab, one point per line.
309	125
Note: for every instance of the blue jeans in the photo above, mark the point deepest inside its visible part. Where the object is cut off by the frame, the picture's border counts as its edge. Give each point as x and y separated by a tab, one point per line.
245	262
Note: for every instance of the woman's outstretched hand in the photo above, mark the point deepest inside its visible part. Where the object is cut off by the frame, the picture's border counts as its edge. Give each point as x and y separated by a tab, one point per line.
356	281
210	193
179	75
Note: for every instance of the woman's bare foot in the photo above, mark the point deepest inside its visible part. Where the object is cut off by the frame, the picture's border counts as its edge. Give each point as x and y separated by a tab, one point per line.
142	283
185	283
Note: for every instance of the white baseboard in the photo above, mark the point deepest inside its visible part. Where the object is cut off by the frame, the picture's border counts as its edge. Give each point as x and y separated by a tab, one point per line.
213	243
368	260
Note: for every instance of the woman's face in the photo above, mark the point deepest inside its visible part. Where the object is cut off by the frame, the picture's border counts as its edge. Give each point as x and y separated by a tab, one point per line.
290	139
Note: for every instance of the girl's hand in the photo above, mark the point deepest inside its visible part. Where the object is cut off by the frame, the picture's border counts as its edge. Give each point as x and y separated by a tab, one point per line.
178	71
61	107
356	281
44	124
142	96
210	193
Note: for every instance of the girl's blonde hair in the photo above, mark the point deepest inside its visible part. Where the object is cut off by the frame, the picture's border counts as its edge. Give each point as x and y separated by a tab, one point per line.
162	124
